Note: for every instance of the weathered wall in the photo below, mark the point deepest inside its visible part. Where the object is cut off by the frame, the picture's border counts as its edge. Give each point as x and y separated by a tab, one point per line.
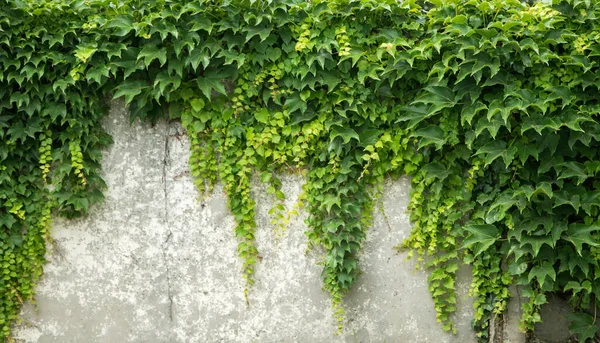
154	264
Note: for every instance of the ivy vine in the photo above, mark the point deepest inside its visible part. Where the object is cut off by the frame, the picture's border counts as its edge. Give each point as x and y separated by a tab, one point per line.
490	106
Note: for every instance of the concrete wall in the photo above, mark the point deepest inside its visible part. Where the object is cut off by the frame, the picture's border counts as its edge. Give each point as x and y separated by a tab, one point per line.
154	264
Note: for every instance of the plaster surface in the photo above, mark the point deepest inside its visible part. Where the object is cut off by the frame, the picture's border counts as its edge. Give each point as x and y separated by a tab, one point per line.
154	263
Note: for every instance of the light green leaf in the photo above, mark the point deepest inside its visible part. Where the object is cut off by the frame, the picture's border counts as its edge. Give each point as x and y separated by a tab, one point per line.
85	51
262	116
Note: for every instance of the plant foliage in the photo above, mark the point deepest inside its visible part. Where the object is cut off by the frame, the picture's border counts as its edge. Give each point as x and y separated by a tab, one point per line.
491	106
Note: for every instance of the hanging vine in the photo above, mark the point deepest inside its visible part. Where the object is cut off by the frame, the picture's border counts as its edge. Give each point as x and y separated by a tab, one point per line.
490	106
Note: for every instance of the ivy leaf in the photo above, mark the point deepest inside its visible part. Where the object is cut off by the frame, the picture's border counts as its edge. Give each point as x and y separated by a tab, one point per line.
525	150
97	73
578	234
294	103
497	210
197	104
495	149
263	31
414	114
202	23
539	124
198	56
330	200
212	79
129	89
122	23
541	272
15	240
566	198
85	51
536	242
435	170
262	116
573	170
7	221
151	52
469	111
482	237
439	97
559	92
583	325
330	79
493	126
497	106
430	135
346	133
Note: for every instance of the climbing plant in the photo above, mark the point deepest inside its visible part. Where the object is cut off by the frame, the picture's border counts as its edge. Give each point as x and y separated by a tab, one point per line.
490	106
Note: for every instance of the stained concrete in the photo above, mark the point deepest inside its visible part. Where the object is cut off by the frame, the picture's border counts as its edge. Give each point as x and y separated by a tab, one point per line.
554	327
155	264
512	317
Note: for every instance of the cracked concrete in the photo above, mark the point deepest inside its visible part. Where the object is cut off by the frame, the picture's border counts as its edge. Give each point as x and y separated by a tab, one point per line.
154	264
166	165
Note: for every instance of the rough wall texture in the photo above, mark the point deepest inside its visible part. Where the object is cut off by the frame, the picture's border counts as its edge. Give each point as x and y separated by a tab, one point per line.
154	264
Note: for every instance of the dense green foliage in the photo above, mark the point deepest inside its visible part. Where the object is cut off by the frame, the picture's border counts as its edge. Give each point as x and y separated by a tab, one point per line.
491	106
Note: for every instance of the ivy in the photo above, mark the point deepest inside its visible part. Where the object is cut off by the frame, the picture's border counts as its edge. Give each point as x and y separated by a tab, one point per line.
489	106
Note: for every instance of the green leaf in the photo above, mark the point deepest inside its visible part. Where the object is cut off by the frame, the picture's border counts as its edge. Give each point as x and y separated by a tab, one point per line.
578	234
439	97
497	210
198	56
202	23
122	23
536	242
482	236
496	149
15	241
129	89
430	135
85	51
414	114
263	31
294	103
197	104
7	221
541	272
435	170
151	52
262	116
583	325
469	111
212	79
573	170
346	133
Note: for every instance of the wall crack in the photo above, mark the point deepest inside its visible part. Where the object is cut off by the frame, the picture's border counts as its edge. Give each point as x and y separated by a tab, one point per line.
166	157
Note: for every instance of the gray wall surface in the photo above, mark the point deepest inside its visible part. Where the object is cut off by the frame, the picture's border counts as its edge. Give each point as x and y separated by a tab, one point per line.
155	264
